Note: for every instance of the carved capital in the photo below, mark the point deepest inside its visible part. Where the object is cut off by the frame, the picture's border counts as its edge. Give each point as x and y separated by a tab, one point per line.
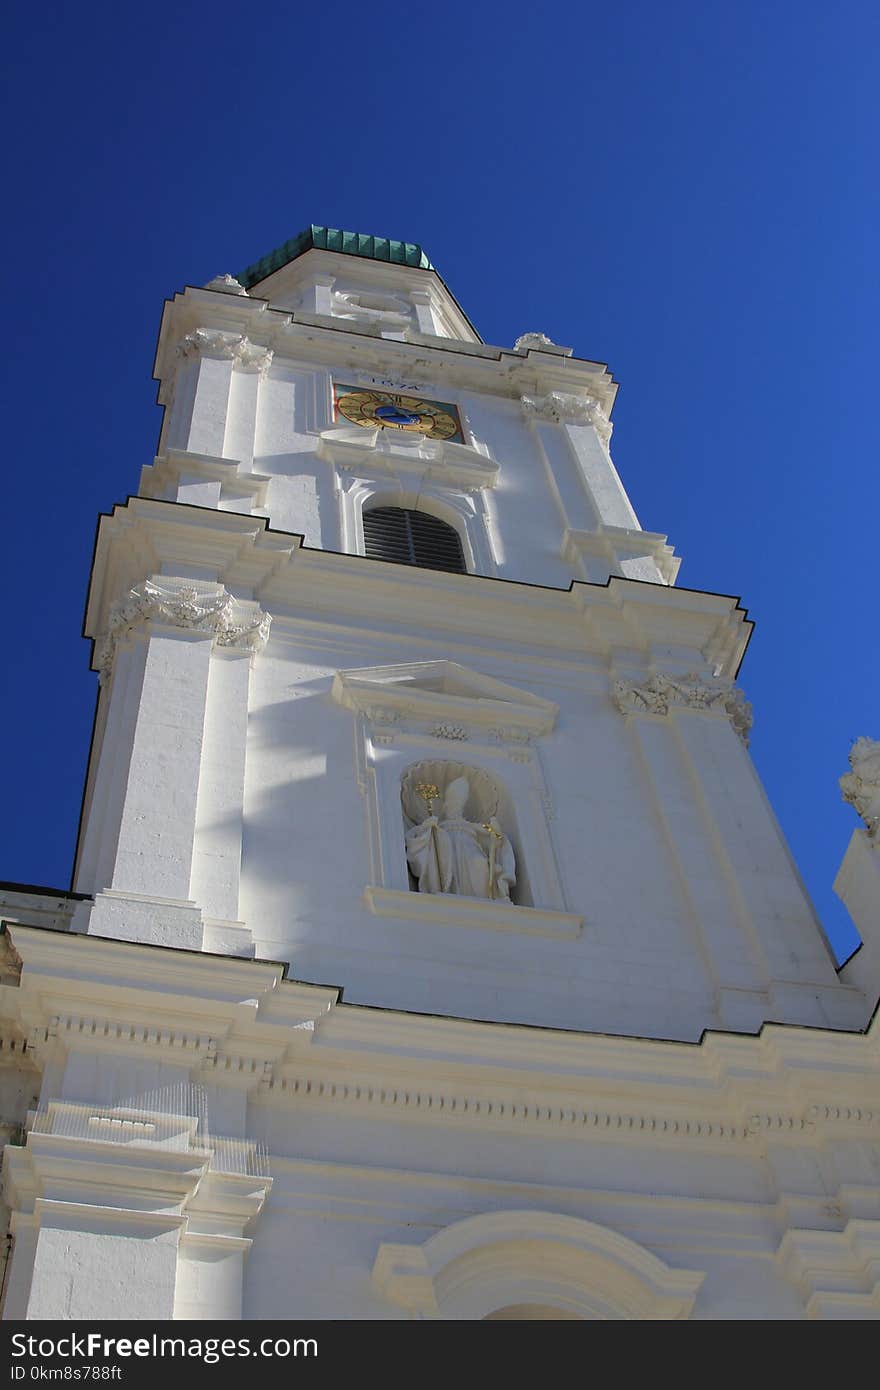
232	623
658	694
562	408
860	787
245	355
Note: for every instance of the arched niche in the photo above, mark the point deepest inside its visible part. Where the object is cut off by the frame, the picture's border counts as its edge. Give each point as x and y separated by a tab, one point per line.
489	1265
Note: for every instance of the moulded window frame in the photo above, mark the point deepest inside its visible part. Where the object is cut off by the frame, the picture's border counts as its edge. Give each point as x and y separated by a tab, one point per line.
463	511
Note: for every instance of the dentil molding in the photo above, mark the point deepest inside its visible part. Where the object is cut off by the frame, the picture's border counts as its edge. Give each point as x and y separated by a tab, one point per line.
658	694
860	786
245	355
232	622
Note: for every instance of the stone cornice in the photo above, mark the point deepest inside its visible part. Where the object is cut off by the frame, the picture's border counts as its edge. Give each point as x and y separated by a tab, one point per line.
291	1043
169	467
837	1272
611	543
335	343
372	451
147	537
158	1183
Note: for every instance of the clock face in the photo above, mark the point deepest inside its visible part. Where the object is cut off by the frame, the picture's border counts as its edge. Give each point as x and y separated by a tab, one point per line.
388	410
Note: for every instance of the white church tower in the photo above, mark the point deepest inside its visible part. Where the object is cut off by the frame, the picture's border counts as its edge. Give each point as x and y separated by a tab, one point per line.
433	949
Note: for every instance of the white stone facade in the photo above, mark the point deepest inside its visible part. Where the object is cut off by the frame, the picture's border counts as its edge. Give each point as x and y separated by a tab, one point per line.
638	1089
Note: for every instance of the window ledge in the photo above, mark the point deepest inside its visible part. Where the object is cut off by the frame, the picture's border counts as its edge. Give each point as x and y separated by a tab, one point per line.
453	910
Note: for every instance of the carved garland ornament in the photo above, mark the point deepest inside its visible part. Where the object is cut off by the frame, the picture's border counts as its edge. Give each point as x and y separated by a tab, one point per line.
526	341
861	786
562	408
245	355
232	623
658	693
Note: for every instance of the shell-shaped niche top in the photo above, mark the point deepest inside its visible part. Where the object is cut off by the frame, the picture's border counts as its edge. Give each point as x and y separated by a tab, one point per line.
483	797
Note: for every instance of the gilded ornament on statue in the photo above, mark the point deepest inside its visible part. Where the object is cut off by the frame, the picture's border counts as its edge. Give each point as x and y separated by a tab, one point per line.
447	853
429	792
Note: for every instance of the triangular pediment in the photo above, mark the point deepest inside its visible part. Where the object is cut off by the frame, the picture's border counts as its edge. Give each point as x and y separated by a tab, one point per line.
444	690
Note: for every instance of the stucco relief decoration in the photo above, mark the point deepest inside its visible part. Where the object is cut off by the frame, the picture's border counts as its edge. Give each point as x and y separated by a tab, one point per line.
563	408
533	340
380	715
658	694
232	623
860	786
454	840
385	310
245	355
226	284
453	732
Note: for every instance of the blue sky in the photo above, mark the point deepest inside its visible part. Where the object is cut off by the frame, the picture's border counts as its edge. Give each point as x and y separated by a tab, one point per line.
687	191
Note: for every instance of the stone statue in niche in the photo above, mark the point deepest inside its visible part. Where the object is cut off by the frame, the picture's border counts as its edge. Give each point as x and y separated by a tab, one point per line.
449	854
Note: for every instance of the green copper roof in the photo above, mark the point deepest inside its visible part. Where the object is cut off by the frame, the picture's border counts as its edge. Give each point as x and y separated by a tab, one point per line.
374	248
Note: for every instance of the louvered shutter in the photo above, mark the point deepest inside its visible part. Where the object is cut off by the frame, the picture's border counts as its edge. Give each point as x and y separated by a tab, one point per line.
412	538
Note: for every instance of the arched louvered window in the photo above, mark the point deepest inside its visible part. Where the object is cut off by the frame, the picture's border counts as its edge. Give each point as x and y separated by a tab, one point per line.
412	538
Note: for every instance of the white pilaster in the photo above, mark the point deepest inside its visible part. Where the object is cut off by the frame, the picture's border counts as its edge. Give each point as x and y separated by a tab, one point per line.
771	901
216	866
858	886
241	423
322	294
207	426
222	410
567	479
140	825
157	826
425	319
733	959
